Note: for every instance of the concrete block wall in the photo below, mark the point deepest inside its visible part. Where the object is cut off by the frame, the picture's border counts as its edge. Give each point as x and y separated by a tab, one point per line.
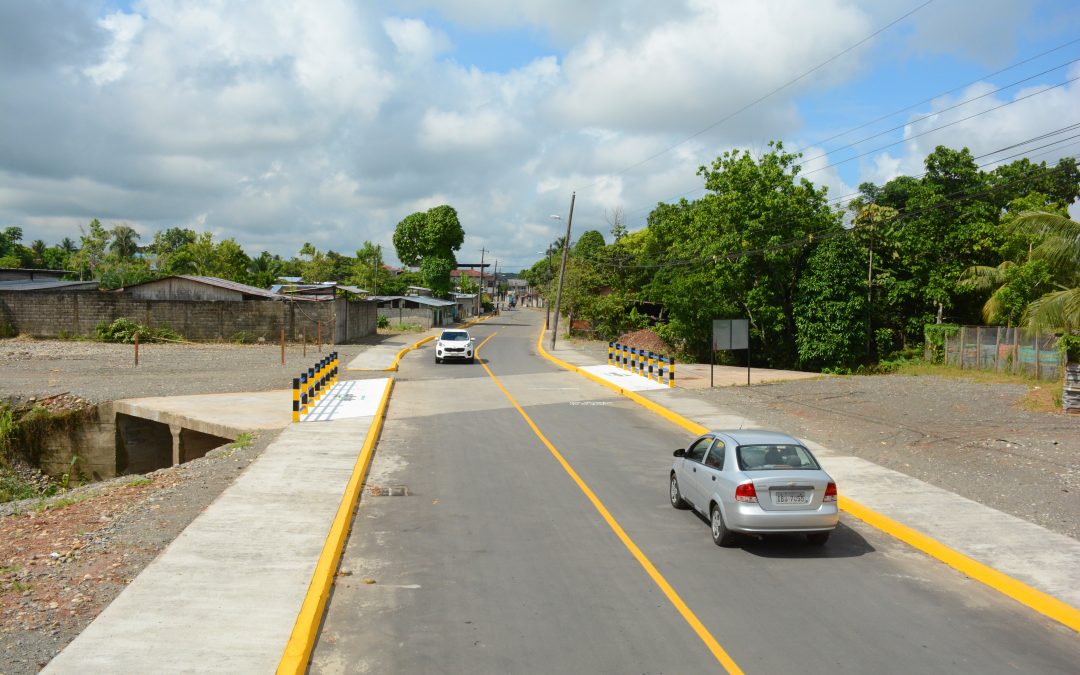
60	314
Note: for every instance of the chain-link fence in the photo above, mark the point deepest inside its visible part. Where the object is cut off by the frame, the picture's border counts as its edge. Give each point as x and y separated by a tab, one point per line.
1001	349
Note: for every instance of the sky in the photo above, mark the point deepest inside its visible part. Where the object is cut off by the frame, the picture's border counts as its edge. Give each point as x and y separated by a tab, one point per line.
276	122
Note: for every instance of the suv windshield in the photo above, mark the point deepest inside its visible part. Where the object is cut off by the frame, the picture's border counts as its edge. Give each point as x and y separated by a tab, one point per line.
774	457
454	336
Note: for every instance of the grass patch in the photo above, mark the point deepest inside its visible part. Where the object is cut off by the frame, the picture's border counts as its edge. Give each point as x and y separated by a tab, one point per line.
19	587
395	328
140	481
242	441
13	488
64	502
1042	395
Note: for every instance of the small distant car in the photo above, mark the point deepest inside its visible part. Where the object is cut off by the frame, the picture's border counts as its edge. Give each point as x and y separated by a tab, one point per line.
754	482
454	345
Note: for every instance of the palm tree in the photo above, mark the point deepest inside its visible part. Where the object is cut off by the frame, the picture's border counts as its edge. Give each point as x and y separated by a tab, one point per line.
1060	249
124	241
68	246
37	252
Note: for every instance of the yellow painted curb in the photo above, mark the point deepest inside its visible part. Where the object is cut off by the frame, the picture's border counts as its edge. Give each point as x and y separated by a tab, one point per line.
1037	600
1042	603
302	641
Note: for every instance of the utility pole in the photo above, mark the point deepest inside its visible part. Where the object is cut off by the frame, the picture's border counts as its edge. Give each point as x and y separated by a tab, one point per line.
869	292
562	270
495	287
547	301
480	290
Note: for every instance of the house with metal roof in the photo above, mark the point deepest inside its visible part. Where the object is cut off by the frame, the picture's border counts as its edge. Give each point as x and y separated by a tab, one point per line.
193	287
417	309
46	285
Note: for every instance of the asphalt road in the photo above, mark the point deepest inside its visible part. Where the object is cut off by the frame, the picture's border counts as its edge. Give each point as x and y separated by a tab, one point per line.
497	561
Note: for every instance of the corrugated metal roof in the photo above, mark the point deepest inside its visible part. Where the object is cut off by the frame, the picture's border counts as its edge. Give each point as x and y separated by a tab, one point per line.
430	302
418	299
220	283
47	285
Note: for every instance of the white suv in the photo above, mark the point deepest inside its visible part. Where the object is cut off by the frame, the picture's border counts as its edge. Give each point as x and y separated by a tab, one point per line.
454	344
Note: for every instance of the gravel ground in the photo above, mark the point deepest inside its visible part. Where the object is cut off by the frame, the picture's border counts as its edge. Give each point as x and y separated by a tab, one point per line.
97	371
967	437
63	560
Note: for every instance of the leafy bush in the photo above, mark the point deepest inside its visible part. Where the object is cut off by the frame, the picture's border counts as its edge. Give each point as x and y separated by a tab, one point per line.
935	335
383	322
1070	346
124	330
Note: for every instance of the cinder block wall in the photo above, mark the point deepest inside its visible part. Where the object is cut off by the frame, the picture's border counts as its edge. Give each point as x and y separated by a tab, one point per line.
60	314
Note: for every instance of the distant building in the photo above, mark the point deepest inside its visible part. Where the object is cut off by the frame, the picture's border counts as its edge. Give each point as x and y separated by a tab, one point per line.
192	287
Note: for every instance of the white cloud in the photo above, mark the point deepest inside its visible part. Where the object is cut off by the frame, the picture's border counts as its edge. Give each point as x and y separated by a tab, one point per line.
277	122
124	28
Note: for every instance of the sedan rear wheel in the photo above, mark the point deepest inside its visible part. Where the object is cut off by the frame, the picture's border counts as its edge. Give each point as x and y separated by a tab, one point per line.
676	497
721	536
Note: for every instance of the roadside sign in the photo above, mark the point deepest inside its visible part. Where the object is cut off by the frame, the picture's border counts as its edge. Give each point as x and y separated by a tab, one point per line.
730	334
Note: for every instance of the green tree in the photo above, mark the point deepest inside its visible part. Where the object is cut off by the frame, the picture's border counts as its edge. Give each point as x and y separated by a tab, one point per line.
124	243
738	251
368	272
830	309
429	240
589	245
1059	249
264	270
92	250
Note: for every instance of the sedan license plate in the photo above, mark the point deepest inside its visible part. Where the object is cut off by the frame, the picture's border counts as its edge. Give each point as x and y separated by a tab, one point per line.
790	497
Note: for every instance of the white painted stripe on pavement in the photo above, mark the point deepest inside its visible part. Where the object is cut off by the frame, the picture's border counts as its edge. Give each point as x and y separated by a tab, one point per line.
348	399
623	378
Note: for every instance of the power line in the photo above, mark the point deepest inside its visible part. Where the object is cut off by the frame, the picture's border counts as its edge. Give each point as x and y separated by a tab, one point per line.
905	109
944	93
763	97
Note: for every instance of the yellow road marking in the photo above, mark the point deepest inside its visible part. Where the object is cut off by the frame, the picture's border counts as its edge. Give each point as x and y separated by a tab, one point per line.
306	629
687	613
1042	603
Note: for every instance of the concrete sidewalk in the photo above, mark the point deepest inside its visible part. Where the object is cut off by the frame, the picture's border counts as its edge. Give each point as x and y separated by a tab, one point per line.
224	596
1046	561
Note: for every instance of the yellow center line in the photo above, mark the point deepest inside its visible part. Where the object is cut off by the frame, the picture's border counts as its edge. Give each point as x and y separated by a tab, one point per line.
687	613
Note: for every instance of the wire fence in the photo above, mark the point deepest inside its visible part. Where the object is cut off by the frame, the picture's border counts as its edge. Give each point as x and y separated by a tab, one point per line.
1001	349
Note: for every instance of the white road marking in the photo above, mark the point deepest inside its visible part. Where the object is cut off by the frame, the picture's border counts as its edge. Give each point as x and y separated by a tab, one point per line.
624	378
348	399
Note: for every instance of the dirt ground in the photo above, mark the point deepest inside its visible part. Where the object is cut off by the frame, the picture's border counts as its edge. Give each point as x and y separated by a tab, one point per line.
63	560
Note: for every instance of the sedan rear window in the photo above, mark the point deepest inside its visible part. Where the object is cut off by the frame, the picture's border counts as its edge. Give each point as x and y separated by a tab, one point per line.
774	457
454	336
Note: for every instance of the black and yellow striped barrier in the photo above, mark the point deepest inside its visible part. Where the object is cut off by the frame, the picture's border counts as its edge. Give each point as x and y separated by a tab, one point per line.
313	384
652	366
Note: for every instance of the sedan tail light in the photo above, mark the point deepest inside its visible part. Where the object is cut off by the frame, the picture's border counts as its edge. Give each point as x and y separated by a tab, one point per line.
830	493
746	493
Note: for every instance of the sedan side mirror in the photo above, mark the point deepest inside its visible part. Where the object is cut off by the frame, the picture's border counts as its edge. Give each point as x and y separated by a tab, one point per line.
472	339
681	452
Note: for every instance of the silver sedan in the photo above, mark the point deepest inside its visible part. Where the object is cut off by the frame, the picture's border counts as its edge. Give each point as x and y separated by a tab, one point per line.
754	482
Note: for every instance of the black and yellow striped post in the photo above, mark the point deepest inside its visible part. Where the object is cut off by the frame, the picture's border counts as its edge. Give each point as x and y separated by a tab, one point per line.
311	386
304	388
296	399
610	353
319	380
652	360
671	378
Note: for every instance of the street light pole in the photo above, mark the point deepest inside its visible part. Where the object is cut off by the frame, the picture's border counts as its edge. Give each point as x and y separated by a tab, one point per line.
562	270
